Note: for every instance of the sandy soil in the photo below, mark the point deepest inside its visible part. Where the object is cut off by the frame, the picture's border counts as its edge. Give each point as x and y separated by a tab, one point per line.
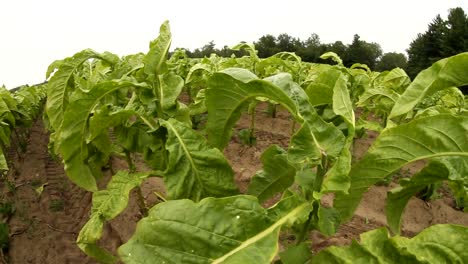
45	226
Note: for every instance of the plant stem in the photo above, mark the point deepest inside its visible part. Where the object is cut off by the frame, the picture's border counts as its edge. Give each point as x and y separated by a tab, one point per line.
272	109
293	127
252	125
305	229
131	165
321	171
140	197
141	202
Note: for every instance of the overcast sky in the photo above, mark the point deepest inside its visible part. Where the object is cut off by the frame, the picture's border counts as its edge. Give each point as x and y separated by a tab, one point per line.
34	33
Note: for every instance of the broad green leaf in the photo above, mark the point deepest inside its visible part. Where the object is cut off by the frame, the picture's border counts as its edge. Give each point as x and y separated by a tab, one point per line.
88	237
328	220
398	198
434	136
330	87
198	105
59	85
436	244
337	178
443	74
396	79
375	248
155	59
303	147
277	174
458	180
107	204
376	96
320	91
368	125
73	131
215	230
297	254
231	90
5	112
342	104
194	170
53	66
105	118
11	100
170	87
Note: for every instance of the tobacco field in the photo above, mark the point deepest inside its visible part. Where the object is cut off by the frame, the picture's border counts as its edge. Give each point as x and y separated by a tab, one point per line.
159	158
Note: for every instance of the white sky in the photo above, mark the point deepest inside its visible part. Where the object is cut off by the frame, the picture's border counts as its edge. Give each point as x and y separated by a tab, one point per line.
33	33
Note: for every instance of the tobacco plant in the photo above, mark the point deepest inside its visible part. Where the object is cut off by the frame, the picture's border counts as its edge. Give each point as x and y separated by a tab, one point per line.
100	105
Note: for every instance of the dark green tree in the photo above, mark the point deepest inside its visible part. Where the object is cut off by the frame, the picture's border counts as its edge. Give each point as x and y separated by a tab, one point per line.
456	39
208	49
361	51
391	60
311	49
443	38
339	48
266	46
286	42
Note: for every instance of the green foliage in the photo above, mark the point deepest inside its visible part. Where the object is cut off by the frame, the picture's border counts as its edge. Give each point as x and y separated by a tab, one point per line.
107	204
436	244
391	60
362	52
443	74
424	138
247	137
216	230
102	106
443	38
194	170
277	174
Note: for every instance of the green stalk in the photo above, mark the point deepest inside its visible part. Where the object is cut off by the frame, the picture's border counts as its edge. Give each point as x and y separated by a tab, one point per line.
321	171
140	197
272	109
18	148
293	127
305	229
252	125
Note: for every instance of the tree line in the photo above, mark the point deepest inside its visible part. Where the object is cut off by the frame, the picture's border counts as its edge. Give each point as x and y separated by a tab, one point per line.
443	38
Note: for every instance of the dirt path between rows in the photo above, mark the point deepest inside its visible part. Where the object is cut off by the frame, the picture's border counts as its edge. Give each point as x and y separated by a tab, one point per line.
45	225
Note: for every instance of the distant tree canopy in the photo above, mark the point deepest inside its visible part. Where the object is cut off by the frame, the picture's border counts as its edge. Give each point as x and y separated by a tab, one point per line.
310	50
391	60
443	38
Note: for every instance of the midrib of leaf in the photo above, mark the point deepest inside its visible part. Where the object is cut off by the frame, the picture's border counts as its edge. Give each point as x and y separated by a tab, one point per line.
262	234
187	152
166	48
161	94
147	122
440	154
